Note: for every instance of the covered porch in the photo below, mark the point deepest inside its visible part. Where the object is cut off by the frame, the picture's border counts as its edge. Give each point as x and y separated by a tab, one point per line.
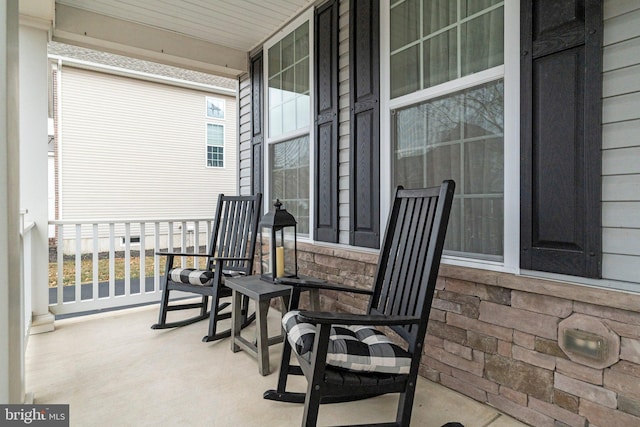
112	369
495	323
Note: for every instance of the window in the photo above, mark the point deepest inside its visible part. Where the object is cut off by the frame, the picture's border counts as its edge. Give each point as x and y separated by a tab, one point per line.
288	107
436	41
458	136
288	80
290	178
215	108
215	145
447	112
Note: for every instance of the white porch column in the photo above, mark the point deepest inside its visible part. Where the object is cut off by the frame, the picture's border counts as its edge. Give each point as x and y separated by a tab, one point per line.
34	159
11	319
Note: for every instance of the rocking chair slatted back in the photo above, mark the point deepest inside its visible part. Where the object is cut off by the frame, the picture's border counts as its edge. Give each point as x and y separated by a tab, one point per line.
399	287
234	234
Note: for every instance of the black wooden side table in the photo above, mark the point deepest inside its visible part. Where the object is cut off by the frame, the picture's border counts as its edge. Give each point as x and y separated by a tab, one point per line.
261	292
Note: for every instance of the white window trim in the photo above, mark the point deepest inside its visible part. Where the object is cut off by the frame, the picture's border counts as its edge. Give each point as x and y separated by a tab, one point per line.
510	72
307	16
206	146
206	108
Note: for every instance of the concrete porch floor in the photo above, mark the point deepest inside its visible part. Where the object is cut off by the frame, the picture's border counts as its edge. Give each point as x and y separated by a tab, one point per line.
113	370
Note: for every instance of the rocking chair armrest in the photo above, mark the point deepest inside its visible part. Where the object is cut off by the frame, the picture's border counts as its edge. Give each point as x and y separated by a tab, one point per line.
321	317
221	258
317	284
231	258
180	254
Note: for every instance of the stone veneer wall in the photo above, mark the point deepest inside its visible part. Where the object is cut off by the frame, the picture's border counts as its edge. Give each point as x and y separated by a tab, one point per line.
494	337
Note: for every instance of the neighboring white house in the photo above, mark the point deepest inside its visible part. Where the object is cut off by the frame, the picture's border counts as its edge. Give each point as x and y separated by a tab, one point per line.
136	140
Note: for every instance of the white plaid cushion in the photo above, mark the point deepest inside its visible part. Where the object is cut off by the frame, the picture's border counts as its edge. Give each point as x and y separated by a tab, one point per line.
191	276
356	348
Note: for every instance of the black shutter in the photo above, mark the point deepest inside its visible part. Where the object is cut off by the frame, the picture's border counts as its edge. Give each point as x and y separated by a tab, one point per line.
257	138
326	122
364	76
561	91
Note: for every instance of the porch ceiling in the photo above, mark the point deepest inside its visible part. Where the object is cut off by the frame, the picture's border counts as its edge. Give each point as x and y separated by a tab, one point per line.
205	35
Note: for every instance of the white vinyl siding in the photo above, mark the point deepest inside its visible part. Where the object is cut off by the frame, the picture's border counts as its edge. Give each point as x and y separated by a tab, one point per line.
621	146
134	149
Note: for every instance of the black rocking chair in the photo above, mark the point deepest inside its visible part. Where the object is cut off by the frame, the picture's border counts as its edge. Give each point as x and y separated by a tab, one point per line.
348	357
231	253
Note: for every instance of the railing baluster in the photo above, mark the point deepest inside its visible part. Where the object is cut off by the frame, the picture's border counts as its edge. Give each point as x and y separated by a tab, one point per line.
156	258
183	243
170	239
127	259
78	262
112	260
60	257
96	262
209	231
143	259
196	243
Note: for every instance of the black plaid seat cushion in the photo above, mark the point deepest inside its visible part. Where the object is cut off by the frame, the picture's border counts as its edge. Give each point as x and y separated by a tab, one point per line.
355	348
191	276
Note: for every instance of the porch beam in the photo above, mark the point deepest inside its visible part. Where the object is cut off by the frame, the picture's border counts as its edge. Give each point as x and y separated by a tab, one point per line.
95	31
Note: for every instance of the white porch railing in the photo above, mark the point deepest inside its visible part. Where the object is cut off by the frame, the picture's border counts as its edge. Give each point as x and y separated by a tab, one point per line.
121	242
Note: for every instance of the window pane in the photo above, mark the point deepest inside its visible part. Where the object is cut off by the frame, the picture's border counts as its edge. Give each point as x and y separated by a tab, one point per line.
302	111
440	58
482	42
288	84
274	60
289	178
289	116
215	108
287	51
302	77
275	120
469	7
459	137
405	71
483	219
405	18
215	134
438	14
302	42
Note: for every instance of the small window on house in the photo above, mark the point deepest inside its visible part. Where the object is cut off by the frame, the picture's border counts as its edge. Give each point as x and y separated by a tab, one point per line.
215	108
215	145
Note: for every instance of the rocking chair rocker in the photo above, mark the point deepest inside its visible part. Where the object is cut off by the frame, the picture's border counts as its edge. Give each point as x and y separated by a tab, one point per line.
347	357
231	253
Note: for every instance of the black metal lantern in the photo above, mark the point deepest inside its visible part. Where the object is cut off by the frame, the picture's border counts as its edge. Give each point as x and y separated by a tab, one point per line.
278	246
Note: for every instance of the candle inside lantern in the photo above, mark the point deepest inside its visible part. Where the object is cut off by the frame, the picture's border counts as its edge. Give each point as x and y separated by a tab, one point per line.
280	261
